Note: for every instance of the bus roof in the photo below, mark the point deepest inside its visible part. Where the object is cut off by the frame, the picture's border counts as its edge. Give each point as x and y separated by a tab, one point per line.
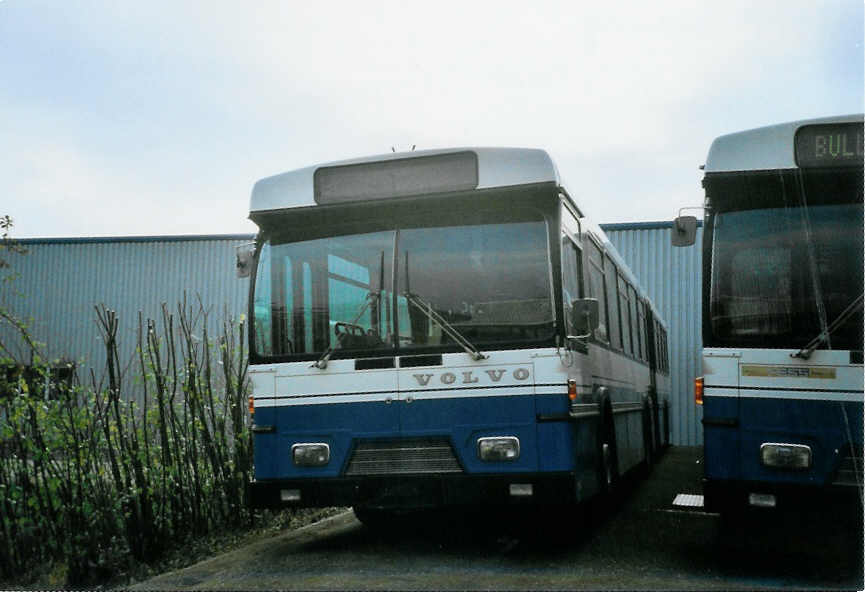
763	148
496	167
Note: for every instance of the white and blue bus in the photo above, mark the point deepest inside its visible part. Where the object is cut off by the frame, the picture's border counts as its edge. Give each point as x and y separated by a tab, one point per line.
444	327
782	314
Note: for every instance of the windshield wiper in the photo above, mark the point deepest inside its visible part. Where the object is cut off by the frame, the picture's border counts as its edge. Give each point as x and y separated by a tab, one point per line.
321	363
842	318
427	309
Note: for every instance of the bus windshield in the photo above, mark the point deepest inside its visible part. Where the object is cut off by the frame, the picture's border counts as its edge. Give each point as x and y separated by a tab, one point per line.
491	282
776	270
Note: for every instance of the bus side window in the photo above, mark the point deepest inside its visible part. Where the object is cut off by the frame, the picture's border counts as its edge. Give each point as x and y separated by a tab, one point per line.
626	316
657	345
596	287
635	323
614	327
265	305
572	277
666	354
641	327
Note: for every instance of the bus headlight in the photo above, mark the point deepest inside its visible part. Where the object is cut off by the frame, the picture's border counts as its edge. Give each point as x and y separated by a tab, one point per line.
499	448
785	456
310	454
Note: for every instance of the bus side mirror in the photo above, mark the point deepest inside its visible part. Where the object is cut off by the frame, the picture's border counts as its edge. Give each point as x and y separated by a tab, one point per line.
684	231
244	256
585	318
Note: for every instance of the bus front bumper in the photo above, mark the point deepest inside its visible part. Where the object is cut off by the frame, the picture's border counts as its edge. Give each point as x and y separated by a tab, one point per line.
410	491
737	496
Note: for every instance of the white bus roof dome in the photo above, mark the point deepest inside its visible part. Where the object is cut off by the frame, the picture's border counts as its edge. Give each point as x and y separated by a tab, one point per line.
763	148
496	167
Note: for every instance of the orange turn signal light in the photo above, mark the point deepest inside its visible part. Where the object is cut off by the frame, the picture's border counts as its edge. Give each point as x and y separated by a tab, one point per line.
698	390
572	389
251	405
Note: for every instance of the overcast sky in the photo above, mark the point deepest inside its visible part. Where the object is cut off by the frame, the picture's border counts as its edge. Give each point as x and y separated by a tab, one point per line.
155	117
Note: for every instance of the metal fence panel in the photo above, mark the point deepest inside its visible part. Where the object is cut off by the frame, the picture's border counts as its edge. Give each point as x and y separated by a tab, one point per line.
59	282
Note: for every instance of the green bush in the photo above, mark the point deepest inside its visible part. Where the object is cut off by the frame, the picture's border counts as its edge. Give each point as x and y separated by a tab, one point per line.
99	473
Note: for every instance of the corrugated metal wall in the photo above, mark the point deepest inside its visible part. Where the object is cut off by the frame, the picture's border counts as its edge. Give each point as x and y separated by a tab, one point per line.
61	280
673	278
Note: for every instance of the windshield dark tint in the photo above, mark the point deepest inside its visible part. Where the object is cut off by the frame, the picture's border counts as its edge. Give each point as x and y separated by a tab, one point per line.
490	281
773	269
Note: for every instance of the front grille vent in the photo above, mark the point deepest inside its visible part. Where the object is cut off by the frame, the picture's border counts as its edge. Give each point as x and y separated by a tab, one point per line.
403	457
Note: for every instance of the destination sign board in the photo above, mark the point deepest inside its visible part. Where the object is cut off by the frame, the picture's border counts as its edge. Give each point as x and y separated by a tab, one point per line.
439	173
829	145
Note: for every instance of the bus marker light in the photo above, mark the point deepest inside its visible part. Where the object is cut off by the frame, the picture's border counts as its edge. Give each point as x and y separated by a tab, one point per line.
785	456
761	500
572	389
698	390
289	495
521	489
251	405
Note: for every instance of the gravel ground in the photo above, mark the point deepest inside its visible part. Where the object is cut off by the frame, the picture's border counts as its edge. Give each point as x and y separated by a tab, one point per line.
638	542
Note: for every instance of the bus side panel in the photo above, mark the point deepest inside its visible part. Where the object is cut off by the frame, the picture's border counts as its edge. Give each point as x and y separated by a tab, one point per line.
558	445
818	424
628	425
265	445
721	438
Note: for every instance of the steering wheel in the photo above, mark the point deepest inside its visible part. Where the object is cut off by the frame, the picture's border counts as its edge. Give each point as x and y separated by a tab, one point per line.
354	330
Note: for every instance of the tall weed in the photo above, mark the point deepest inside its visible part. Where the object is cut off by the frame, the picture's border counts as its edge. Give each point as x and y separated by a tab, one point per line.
108	471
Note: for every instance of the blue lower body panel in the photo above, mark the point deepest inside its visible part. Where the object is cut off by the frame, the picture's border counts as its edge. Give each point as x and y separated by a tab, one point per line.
548	457
736	427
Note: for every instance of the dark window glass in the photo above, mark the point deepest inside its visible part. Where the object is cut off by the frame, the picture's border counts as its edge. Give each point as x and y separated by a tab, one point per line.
625	310
641	328
571	275
490	281
785	257
775	271
635	326
666	354
614	330
596	287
